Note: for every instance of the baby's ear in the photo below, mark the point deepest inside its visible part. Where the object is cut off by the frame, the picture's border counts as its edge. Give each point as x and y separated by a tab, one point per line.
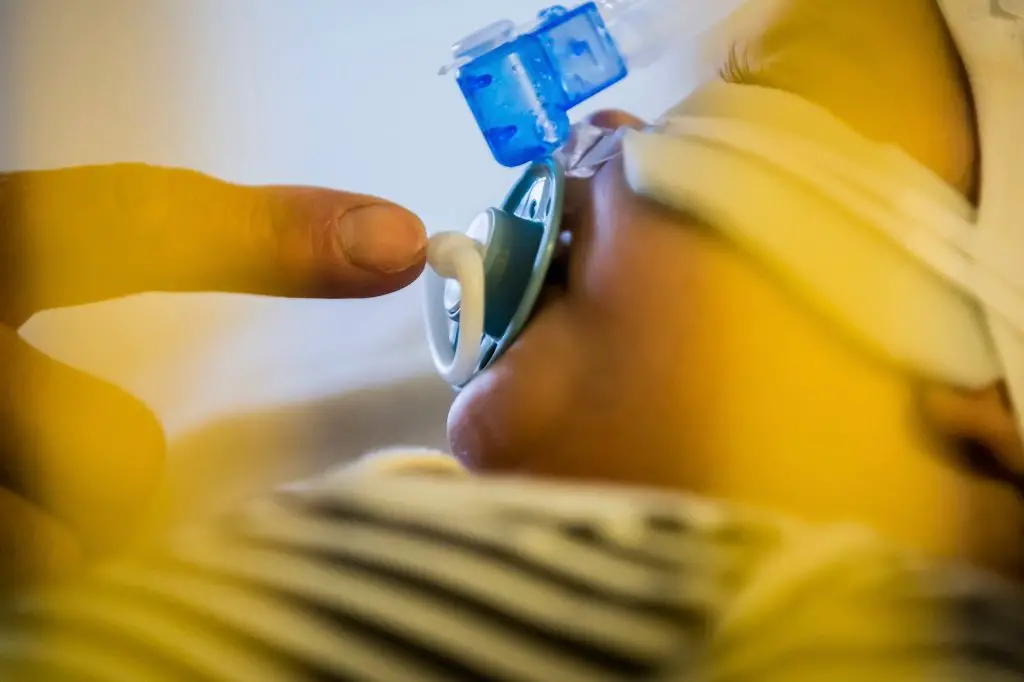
977	418
888	68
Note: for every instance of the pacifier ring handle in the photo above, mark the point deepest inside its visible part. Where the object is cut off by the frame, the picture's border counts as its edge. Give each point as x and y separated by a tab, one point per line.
453	255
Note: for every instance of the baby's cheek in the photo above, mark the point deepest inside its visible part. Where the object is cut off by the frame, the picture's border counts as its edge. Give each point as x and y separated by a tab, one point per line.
634	253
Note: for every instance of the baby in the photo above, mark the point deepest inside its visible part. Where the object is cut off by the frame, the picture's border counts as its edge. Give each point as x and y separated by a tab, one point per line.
684	469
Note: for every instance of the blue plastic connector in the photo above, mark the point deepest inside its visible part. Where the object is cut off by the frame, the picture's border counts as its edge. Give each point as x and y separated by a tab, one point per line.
521	86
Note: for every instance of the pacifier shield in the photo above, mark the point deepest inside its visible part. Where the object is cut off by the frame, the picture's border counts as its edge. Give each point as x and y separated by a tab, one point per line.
515	242
537	200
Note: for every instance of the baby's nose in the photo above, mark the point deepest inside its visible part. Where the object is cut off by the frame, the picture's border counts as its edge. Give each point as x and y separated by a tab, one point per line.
613	119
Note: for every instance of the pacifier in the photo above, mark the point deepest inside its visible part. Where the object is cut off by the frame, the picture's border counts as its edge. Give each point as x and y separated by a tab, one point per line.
482	284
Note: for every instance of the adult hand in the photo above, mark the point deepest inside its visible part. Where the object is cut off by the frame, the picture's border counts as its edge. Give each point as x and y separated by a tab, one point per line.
79	458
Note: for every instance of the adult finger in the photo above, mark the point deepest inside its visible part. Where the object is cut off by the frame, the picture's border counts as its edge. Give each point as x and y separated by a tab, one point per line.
84	234
34	546
80	449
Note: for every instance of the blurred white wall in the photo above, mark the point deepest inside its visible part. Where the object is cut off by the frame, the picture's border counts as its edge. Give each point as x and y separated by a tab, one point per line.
340	93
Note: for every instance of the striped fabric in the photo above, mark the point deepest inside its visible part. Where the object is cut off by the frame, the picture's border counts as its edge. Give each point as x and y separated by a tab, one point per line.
470	579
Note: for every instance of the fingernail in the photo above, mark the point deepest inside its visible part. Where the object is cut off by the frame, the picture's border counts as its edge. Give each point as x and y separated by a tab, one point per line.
381	238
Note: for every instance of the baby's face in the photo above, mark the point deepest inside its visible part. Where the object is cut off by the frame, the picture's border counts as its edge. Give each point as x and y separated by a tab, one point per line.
669	358
595	386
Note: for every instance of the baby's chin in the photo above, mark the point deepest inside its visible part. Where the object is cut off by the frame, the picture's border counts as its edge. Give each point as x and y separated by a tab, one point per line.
513	408
494	417
474	415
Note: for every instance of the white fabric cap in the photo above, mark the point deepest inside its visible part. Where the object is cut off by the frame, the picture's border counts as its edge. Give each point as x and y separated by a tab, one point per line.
990	37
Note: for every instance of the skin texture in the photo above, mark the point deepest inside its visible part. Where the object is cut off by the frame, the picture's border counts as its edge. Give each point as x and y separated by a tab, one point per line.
80	459
669	358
